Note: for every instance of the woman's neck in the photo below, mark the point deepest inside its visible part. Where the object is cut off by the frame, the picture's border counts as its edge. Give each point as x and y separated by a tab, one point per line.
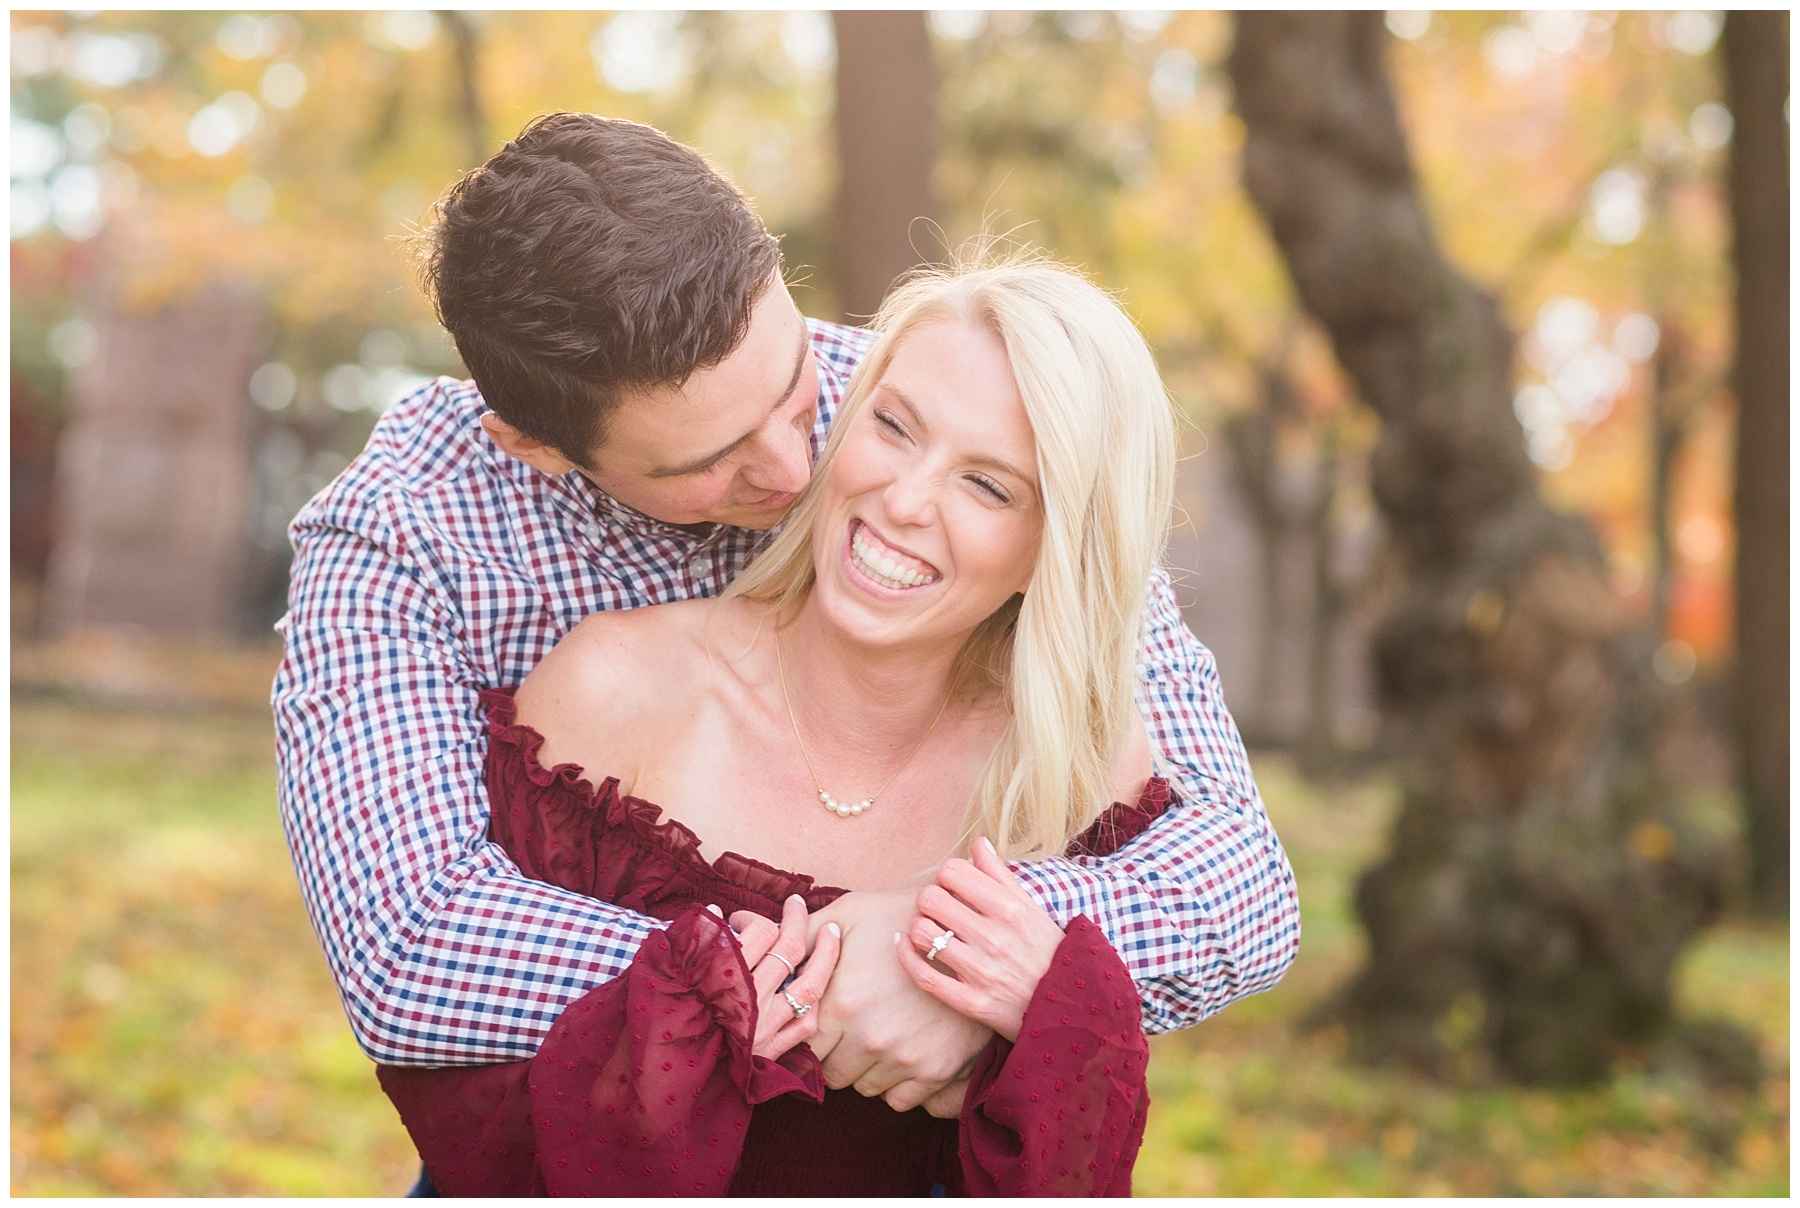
858	702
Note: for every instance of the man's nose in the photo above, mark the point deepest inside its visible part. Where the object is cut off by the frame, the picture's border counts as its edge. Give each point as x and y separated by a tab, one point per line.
784	461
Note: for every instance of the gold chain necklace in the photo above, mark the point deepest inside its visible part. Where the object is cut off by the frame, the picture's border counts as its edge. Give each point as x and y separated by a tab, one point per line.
831	803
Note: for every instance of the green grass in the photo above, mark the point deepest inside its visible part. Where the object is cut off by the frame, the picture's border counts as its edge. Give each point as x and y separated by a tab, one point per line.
174	1031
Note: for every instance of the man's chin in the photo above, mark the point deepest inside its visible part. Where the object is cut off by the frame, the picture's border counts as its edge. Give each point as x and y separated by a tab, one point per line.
758	520
756	516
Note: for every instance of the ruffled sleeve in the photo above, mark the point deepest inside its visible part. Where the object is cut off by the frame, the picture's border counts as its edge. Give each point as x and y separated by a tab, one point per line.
643	1087
1061	1111
649	1092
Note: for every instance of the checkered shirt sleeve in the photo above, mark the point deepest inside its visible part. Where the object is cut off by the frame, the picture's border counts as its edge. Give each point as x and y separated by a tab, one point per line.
443	953
1202	906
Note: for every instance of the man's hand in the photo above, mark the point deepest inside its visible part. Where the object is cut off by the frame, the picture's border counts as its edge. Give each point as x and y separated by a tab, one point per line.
880	1033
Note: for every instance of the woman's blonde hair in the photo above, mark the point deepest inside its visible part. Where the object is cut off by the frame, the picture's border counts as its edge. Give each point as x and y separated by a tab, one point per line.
1062	656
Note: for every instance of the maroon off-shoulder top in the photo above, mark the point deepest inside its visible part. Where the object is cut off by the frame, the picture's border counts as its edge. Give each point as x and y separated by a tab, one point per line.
647	1085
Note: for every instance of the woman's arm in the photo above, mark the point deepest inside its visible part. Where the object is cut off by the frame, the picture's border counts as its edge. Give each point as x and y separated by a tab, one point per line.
644	1085
1056	1104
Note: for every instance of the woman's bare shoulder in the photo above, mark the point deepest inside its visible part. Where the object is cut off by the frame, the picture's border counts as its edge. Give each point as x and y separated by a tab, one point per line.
601	691
615	654
617	676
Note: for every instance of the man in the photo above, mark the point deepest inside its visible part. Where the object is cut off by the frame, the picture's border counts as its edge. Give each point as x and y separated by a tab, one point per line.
647	402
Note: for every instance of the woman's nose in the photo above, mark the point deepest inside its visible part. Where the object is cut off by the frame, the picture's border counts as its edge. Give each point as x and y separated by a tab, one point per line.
911	497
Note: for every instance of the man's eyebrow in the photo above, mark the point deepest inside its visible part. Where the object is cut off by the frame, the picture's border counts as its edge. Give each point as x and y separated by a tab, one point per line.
975	459
701	463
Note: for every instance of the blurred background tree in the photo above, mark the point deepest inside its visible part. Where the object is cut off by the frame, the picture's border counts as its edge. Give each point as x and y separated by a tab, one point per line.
886	127
1756	69
181	171
1522	878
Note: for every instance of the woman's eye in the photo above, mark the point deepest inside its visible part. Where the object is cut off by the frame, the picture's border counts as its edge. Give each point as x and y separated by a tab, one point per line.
886	420
990	487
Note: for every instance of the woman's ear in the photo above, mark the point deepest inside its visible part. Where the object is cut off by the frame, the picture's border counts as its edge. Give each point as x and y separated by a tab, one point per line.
520	447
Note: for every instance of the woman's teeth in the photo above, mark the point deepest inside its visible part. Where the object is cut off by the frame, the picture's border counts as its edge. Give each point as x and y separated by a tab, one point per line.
873	562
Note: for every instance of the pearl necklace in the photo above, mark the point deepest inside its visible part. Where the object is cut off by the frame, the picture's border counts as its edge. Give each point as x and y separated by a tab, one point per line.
853	808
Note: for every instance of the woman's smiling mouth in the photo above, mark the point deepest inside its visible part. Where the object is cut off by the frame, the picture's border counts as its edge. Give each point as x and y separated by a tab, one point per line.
884	565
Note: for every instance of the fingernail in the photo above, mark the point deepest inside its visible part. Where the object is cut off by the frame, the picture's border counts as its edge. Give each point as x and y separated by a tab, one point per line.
794	897
985	845
716	912
834	929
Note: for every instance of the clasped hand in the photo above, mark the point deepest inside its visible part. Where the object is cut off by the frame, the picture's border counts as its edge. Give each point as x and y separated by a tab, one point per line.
889	1022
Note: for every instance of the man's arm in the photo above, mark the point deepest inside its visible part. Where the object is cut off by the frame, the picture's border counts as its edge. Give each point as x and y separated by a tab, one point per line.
1201	906
442	952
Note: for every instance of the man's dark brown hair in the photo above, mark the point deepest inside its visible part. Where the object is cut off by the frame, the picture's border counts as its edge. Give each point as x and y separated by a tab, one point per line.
588	258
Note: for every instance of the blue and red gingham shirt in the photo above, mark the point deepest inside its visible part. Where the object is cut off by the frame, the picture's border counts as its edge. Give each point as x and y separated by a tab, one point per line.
435	566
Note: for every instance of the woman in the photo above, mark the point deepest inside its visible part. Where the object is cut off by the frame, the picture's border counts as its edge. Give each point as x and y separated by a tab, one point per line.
934	657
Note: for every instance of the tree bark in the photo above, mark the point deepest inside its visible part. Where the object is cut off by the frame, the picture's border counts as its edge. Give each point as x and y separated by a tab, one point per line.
1251	437
1540	882
1670	423
887	144
1756	76
468	84
1318	743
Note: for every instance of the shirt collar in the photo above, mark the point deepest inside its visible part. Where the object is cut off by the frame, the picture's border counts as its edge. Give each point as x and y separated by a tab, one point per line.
618	516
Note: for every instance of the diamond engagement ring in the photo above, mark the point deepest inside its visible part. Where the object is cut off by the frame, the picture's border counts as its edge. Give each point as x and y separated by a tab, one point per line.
800	1008
939	944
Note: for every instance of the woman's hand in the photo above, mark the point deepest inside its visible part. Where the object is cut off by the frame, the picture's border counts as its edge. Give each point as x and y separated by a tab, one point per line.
771	952
1001	946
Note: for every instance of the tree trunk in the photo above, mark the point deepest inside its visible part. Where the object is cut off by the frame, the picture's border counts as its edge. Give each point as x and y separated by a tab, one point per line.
1251	437
1669	426
1318	743
1756	73
887	144
468	85
1539	884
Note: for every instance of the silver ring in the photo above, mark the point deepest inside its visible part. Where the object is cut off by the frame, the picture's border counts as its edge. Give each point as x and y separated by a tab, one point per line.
800	1008
784	960
939	944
